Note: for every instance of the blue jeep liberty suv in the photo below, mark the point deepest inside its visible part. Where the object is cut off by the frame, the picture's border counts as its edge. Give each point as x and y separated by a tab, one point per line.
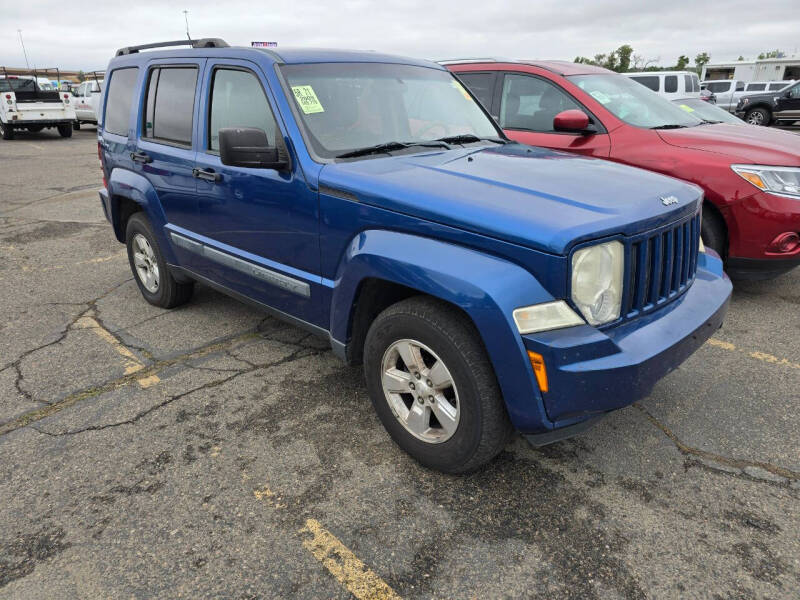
485	285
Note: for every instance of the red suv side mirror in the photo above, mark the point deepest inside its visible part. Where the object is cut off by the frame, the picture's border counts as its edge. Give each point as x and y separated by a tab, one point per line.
573	120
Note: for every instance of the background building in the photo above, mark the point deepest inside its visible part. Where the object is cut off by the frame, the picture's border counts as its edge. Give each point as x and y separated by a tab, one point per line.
768	69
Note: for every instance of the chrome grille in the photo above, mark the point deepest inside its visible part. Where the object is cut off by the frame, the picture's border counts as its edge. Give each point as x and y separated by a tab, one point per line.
661	266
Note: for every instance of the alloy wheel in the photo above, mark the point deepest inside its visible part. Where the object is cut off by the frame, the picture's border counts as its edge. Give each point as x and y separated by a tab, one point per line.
420	391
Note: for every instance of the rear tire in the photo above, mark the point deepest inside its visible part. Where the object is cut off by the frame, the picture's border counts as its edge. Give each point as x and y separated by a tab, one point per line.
713	231
6	131
149	268
758	116
463	422
65	130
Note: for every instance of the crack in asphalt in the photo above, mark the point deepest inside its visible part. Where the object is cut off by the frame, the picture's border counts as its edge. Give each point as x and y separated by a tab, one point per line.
296	355
17	363
78	188
55	407
749	468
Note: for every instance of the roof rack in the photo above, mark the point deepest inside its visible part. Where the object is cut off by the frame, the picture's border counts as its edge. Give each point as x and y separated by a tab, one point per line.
452	61
201	43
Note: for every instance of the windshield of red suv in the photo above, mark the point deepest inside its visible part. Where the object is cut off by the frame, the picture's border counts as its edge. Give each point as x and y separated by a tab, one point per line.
710	113
349	106
633	103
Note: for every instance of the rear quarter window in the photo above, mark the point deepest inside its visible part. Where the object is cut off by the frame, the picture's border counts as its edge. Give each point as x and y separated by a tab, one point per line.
121	89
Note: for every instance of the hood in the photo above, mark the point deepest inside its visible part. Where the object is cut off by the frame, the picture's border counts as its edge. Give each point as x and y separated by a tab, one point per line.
530	196
747	144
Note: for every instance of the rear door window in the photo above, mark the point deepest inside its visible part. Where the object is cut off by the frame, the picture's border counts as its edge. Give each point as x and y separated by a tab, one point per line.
169	108
719	87
480	84
756	87
671	84
121	89
776	86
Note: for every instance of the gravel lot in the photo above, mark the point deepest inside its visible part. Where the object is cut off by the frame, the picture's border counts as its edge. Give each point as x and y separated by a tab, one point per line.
211	451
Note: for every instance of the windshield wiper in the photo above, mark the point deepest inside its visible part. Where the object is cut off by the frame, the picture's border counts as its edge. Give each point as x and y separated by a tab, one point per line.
389	147
468	138
670	126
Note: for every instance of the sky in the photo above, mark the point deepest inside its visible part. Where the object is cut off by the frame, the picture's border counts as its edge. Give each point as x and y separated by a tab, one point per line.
78	34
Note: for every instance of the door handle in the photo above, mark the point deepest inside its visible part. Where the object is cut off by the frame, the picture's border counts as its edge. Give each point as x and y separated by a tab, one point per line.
141	157
207	174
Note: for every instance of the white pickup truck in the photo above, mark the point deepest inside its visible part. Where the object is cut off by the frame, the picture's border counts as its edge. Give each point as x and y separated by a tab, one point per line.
24	105
87	98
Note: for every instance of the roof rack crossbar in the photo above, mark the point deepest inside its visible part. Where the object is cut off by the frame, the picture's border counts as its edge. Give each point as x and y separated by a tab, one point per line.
201	43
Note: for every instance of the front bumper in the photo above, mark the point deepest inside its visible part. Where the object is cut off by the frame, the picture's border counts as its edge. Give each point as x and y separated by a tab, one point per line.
753	224
592	371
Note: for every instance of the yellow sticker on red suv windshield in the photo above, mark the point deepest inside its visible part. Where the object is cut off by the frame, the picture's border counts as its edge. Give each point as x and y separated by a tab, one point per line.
307	99
686	108
461	89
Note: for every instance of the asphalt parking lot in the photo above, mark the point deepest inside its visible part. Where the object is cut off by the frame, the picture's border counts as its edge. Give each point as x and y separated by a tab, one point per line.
211	451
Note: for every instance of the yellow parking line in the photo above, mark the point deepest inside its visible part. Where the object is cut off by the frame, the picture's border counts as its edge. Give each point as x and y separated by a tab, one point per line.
132	364
360	580
762	356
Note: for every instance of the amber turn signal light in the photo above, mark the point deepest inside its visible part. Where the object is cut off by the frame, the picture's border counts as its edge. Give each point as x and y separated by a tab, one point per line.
537	362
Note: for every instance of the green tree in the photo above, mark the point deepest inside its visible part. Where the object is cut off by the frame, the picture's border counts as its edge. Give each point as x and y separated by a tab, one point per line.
741	58
81	76
624	54
701	60
683	61
772	54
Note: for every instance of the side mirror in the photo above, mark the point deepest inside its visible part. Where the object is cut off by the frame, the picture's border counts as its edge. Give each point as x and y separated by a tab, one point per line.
248	147
574	121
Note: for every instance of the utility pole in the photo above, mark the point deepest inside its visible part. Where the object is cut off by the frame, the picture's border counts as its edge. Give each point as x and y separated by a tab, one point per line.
186	18
27	66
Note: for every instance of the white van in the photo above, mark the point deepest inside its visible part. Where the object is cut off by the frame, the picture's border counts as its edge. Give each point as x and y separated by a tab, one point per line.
673	85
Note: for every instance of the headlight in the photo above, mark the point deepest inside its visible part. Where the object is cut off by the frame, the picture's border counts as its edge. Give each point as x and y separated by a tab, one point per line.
544	317
597	281
777	180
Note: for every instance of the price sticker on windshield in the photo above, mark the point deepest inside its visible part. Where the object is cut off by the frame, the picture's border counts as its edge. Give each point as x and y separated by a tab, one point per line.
461	89
307	99
686	108
600	97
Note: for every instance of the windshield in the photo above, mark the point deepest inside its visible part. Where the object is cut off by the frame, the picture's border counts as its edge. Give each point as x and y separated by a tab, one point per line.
708	112
349	106
634	103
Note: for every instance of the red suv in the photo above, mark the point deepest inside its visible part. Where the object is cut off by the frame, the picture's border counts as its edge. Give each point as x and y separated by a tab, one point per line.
750	175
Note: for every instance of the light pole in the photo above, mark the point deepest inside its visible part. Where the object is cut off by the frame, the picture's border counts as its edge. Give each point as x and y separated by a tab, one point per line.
27	66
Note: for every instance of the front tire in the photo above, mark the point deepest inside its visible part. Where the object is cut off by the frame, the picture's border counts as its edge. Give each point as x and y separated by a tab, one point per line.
758	116
6	131
65	130
149	268
712	231
433	386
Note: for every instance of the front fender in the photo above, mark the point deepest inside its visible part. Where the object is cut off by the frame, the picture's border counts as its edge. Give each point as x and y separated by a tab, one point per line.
485	287
126	184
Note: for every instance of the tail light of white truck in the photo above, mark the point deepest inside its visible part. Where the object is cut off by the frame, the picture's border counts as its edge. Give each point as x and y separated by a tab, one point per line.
11	101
